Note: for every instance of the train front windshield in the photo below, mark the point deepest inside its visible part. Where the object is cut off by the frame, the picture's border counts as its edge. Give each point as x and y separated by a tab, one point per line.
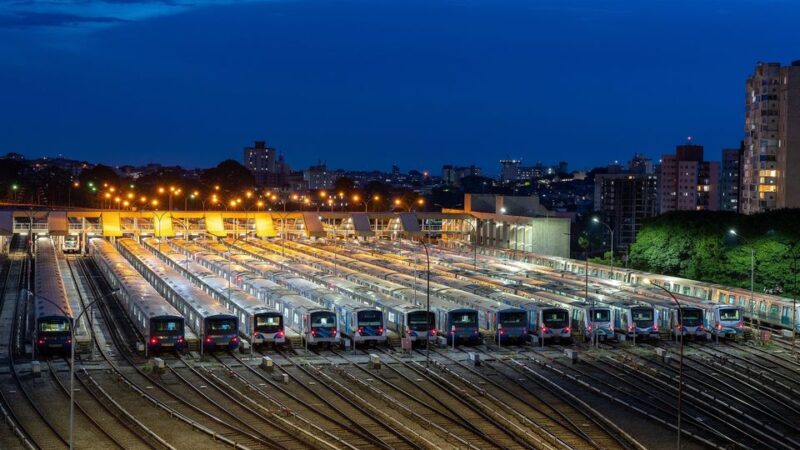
55	325
417	322
512	319
464	320
730	314
642	317
601	315
692	317
222	326
555	318
166	326
268	323
370	318
323	320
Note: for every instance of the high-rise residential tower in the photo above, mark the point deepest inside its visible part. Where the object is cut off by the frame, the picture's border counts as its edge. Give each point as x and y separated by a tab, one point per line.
770	172
687	182
729	174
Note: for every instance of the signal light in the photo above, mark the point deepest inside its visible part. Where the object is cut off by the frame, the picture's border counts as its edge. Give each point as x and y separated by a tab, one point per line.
153	340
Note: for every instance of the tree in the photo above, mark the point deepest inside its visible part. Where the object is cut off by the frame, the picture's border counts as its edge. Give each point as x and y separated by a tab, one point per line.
232	177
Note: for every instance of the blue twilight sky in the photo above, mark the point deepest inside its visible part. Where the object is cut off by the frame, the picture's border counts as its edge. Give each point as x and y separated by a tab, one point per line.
368	83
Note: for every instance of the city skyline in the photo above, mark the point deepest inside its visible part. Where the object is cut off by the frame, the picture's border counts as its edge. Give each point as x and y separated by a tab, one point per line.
136	83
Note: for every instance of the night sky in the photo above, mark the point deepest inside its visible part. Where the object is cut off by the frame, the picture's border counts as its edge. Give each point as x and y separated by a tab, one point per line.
365	84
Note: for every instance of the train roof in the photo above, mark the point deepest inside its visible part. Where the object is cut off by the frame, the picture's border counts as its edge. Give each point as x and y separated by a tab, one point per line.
48	282
191	295
138	290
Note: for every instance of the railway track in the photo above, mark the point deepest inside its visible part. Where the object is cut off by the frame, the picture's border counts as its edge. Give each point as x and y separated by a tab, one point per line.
569	425
169	395
33	425
350	405
344	429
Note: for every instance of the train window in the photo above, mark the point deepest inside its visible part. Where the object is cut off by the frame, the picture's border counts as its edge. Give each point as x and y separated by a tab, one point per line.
166	325
53	325
787	311
392	317
642	314
729	314
721	297
601	315
222	325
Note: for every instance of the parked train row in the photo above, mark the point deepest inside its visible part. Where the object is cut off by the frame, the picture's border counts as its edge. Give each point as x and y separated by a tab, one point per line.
607	317
216	326
159	323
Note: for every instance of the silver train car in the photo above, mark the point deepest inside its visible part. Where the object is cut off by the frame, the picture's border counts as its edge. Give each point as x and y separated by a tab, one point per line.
216	326
258	323
53	317
315	323
158	322
406	319
360	322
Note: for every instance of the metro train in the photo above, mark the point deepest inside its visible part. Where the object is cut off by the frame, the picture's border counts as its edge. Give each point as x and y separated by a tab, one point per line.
258	323
158	322
406	319
71	244
635	319
53	316
315	323
217	327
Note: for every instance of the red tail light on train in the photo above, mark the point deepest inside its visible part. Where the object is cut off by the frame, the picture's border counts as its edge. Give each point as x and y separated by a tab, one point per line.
380	331
153	340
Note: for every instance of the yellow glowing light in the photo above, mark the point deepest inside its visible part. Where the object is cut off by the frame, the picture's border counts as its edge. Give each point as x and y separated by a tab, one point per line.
421	201
306	201
143	199
76	184
112	189
130	195
260	203
195	193
323	194
248	194
108	195
376	198
356	198
125	203
397	201
294	197
216	187
233	203
161	190
155	202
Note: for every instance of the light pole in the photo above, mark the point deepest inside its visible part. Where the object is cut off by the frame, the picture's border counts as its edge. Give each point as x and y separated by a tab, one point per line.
428	307
680	360
72	355
792	253
752	276
611	233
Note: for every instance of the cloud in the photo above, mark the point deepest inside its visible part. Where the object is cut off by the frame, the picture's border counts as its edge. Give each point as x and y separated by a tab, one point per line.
90	14
34	19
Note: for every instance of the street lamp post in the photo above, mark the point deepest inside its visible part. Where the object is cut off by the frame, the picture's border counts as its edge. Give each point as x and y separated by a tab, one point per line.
680	360
611	233
428	306
752	277
72	356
